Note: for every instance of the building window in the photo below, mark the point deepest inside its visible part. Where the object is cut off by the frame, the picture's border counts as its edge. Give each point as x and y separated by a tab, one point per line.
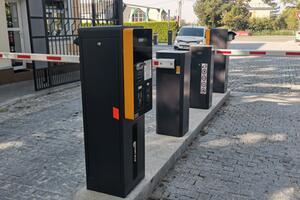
138	16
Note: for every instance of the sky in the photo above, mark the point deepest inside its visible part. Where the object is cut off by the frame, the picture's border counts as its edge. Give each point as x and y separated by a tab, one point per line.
187	8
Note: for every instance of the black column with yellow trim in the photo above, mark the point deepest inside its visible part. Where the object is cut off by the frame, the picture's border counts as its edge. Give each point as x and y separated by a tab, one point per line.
116	76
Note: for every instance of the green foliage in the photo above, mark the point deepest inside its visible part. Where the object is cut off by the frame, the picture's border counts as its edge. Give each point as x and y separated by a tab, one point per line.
279	23
215	13
2	110
261	24
235	15
290	17
161	28
209	12
158	27
287	20
237	18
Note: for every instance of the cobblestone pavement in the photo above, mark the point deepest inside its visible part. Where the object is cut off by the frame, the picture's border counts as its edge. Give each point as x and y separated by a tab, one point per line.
41	147
250	150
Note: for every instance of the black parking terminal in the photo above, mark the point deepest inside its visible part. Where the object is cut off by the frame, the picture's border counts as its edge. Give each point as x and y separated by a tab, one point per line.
202	68
173	92
116	93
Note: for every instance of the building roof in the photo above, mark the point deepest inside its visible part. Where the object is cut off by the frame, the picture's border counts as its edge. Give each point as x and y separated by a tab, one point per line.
142	6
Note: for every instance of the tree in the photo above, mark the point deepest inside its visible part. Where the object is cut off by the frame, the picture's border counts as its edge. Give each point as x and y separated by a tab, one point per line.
261	24
209	12
279	23
238	16
290	17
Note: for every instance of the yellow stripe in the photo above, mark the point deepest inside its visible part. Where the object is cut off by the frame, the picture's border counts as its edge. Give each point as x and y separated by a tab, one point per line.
207	35
128	73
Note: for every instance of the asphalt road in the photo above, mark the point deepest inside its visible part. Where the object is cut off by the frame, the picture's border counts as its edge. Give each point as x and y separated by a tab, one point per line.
255	43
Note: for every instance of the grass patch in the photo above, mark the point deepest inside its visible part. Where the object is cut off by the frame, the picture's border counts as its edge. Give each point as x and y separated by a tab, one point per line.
3	110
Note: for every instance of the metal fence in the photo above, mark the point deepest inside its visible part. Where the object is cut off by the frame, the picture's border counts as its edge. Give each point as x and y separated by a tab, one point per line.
54	26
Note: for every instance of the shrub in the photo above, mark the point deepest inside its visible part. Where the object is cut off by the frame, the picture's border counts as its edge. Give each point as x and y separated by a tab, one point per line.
276	32
158	27
289	16
261	24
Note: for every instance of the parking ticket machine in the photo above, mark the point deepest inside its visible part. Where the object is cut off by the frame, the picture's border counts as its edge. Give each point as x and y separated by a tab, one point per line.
116	75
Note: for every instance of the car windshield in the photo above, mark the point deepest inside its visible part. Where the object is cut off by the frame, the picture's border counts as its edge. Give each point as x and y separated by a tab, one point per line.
198	32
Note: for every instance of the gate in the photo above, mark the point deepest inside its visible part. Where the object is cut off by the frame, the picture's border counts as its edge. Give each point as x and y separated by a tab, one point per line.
54	25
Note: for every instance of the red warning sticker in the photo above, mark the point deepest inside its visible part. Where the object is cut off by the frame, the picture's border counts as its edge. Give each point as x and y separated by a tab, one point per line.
116	113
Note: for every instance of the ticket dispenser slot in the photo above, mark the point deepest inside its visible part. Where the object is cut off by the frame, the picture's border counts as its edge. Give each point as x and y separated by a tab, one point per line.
173	92
116	84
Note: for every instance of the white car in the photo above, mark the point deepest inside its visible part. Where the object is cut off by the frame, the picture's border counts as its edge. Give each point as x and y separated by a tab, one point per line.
189	35
297	36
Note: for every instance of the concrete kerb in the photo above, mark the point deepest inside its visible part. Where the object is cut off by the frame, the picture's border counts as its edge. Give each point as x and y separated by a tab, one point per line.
40	93
162	152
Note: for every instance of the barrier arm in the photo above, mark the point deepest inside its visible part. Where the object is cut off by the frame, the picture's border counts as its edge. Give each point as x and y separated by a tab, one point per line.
40	57
75	59
275	53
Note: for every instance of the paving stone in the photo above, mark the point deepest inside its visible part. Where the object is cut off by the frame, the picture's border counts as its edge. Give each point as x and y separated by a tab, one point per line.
249	151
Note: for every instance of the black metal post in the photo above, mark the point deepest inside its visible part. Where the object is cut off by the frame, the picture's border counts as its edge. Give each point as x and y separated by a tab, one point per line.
155	38
93	13
202	69
173	94
170	37
119	12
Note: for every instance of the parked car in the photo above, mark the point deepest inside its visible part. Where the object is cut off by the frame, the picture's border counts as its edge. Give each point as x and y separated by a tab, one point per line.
297	38
189	35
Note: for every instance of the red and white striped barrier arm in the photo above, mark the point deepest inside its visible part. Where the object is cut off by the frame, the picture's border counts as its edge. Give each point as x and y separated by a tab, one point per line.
39	57
277	53
75	59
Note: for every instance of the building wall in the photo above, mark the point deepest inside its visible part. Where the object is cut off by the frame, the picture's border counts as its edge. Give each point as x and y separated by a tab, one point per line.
152	14
260	13
4	45
127	14
259	9
25	27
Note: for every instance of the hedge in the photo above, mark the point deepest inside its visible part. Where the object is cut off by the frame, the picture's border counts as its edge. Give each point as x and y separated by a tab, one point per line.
158	27
276	32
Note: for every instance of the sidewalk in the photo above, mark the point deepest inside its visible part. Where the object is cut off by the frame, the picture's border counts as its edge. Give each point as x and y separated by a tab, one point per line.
12	93
42	149
15	90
